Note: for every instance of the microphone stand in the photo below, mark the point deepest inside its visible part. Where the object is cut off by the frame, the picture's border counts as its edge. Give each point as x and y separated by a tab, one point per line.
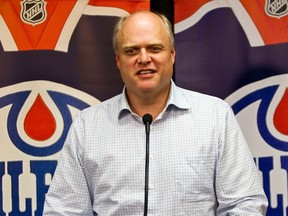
147	119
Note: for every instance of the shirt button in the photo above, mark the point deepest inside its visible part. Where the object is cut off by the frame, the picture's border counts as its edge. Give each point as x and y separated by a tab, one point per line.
151	156
151	186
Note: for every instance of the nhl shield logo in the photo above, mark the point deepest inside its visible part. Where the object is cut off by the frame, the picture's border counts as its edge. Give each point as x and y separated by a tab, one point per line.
277	8
33	12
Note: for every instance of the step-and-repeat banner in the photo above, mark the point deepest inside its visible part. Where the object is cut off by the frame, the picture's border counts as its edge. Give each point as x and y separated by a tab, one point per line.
56	58
238	51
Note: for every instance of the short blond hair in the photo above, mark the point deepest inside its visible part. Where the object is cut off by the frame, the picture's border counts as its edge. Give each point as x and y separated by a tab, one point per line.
165	21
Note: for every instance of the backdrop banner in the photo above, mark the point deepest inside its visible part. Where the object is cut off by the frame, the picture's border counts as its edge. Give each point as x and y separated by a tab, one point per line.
56	58
238	51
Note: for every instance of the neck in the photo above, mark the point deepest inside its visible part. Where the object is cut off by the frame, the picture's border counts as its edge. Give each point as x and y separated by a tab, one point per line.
153	105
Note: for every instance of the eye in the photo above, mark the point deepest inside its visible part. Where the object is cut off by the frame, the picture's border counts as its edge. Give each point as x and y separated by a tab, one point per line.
131	51
155	49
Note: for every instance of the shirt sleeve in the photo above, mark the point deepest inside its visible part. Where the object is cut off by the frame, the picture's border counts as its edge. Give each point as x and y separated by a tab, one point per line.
238	187
68	193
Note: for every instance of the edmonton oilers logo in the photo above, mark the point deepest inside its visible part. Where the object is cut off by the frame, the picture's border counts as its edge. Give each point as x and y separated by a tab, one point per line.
276	8
33	12
261	109
35	118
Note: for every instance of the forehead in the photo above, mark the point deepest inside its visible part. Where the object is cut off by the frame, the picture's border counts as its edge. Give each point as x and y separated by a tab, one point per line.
141	27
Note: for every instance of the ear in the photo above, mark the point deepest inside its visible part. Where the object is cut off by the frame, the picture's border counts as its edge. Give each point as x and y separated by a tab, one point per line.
173	54
117	60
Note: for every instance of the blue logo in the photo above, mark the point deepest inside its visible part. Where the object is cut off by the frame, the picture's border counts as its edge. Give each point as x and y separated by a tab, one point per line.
262	112
34	121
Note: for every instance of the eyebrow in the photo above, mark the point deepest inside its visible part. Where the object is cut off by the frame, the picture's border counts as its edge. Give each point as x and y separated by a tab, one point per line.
127	46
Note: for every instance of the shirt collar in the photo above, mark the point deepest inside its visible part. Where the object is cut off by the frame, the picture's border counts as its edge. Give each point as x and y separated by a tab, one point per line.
124	107
175	99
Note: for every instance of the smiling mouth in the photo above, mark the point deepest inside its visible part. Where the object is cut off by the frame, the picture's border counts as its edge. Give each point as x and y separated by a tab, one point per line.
144	72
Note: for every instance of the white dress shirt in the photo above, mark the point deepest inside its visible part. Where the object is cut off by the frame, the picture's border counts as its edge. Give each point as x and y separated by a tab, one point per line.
200	164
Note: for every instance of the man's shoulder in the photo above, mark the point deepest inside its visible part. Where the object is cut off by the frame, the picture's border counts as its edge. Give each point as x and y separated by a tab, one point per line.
198	97
110	105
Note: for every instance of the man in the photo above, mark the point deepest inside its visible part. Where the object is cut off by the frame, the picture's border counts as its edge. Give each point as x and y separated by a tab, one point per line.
200	163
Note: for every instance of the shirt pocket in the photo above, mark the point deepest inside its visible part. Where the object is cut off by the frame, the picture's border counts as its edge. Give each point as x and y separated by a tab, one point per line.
195	179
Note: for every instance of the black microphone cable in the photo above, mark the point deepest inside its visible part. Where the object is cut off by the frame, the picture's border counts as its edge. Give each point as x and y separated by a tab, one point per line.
147	120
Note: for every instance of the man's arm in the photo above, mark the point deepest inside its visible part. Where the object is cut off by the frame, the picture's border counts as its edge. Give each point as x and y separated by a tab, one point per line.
238	187
68	193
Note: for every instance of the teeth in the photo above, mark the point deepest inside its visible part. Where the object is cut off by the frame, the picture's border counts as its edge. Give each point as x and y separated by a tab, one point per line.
146	72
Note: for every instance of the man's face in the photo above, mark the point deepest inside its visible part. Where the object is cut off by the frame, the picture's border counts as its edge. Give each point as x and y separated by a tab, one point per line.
145	56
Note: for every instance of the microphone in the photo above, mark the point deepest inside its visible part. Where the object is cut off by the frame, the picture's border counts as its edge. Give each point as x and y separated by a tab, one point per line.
147	120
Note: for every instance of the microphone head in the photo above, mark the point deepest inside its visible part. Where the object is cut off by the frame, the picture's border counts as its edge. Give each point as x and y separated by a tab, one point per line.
147	118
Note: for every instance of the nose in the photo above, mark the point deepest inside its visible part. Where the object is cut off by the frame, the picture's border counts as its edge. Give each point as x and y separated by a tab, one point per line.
144	57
